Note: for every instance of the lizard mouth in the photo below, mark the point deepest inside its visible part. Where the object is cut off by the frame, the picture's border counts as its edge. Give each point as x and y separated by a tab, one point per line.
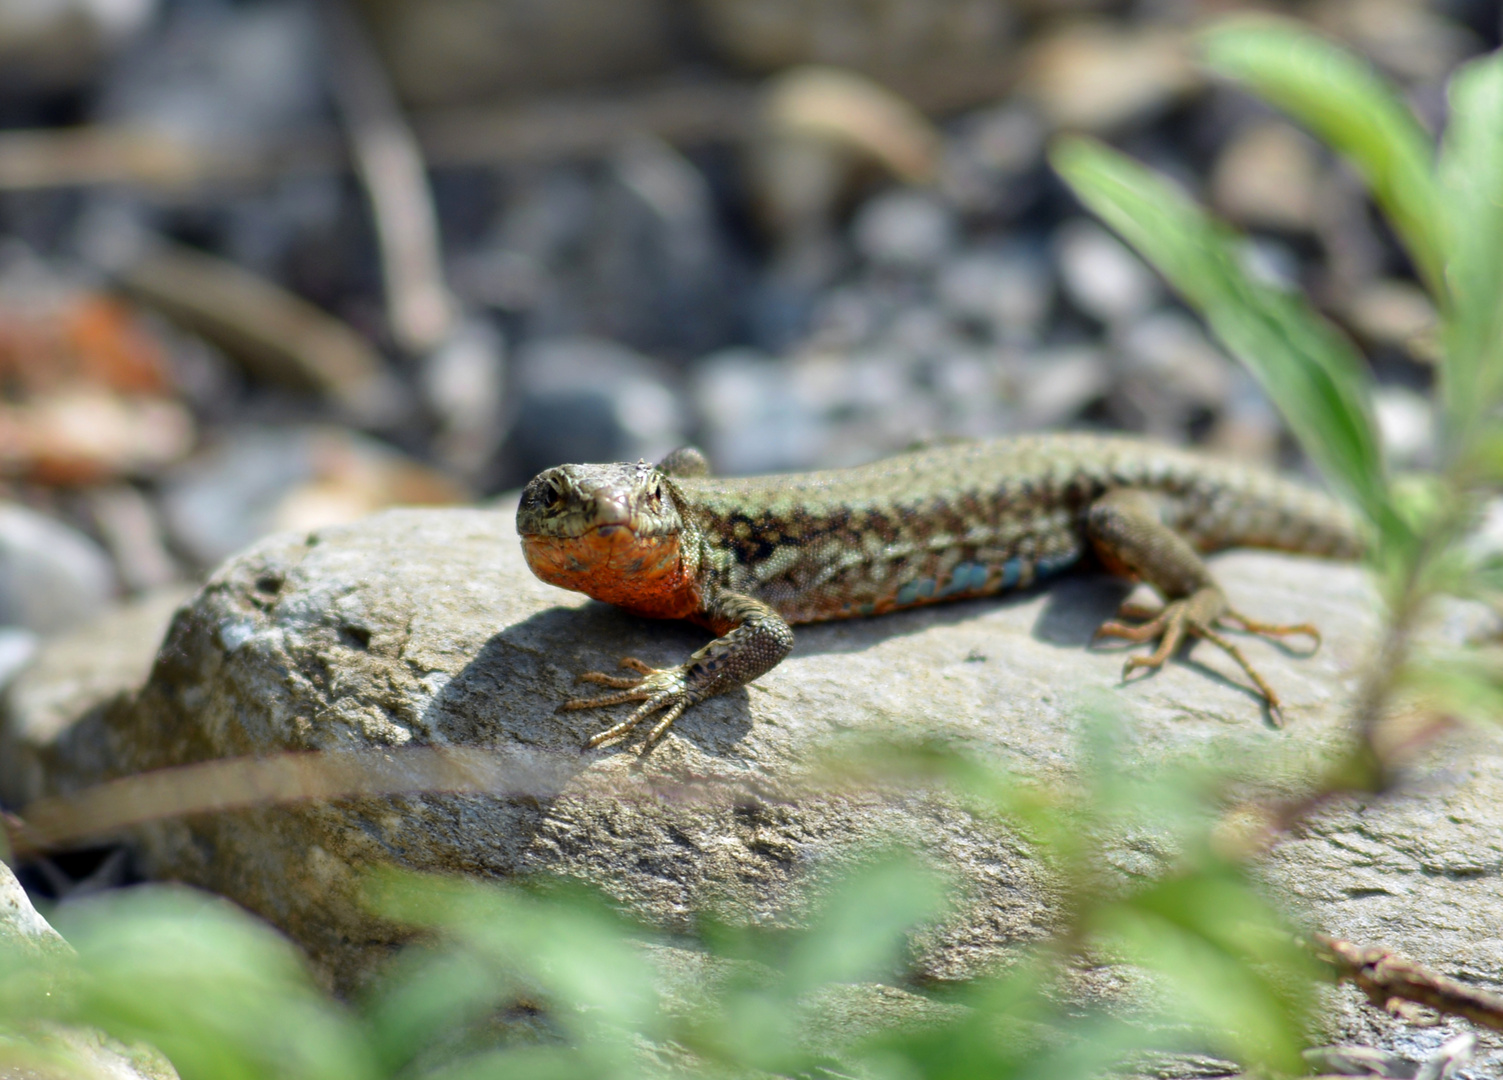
611	563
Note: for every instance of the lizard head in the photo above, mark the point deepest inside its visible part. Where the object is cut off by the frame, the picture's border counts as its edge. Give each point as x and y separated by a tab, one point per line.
611	532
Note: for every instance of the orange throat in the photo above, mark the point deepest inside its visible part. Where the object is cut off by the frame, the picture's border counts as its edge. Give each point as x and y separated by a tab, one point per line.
645	575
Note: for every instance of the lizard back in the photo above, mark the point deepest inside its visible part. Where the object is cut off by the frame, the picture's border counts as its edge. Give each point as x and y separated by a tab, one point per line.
974	519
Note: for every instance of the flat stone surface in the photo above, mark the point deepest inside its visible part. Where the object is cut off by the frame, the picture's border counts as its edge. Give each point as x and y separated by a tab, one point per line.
425	627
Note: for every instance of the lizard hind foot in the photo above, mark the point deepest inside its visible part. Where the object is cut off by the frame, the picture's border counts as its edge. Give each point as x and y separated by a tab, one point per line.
1199	615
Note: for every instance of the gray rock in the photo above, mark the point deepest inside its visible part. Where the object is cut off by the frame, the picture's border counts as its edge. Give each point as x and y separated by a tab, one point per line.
589	399
1406	421
1101	276
424	627
1009	292
21	925
259	479
90	1054
76	679
905	229
51	576
989	151
1056	384
1269	175
1094	75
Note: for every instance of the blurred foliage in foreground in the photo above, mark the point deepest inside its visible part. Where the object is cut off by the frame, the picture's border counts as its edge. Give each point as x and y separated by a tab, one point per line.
550	981
546	981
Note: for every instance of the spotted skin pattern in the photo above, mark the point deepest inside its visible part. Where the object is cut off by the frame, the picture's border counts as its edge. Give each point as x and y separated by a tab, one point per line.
748	557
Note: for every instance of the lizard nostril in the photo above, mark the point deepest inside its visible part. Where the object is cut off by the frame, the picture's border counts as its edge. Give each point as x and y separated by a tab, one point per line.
611	509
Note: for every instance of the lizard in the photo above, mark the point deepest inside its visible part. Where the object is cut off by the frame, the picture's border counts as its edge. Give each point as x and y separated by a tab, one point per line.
748	558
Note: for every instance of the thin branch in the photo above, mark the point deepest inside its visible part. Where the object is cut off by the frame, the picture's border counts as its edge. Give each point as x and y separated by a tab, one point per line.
390	163
1384	976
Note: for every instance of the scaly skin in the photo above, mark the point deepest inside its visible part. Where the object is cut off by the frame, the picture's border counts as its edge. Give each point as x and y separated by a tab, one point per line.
747	558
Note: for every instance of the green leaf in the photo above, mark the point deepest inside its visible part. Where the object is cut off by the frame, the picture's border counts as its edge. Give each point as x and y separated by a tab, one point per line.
1308	368
1343	101
558	946
221	994
1232	967
1471	179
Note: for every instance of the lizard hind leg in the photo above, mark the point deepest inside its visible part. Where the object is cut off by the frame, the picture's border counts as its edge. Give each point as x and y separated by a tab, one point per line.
1127	528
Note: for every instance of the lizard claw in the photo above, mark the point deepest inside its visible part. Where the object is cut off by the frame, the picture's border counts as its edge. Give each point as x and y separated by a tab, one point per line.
1200	616
653	689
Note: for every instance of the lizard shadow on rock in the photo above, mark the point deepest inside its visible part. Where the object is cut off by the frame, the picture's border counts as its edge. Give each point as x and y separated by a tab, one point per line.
1075	605
510	691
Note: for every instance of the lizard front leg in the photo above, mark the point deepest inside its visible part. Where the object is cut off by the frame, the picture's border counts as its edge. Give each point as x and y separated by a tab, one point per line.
1128	531
753	639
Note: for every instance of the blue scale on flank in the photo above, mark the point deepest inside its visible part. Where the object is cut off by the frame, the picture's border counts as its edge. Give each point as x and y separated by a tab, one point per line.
972	577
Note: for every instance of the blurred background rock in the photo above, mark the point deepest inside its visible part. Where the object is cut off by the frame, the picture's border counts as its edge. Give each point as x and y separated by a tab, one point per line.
272	264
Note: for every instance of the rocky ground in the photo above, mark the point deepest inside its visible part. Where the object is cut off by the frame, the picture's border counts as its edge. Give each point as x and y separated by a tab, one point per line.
424	628
670	234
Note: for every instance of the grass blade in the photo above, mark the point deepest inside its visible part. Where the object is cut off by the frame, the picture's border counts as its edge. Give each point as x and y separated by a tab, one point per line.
1343	101
1471	178
1307	367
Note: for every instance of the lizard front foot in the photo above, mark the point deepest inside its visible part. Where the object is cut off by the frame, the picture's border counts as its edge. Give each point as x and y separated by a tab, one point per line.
1199	615
667	689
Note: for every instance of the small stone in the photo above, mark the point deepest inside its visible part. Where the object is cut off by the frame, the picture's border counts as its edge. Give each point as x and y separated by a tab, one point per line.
1005	139
257	480
1057	384
84	1053
17	647
907	230
751	421
1248	427
21	926
1413	40
1173	351
89	670
1268	176
1270	262
590	399
1406	421
1094	75
51	576
464	384
1008	292
1101	276
987	154
1399	314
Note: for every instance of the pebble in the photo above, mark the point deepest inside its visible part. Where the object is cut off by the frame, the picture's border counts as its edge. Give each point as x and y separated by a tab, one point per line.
751	422
1100	275
52	577
219	73
464	383
257	480
1057	384
1406	422
1007	292
1268	176
988	153
907	230
1095	75
1397	313
1410	39
589	399
1171	349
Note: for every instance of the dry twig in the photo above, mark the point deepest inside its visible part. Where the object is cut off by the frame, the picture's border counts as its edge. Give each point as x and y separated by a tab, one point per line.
1384	976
